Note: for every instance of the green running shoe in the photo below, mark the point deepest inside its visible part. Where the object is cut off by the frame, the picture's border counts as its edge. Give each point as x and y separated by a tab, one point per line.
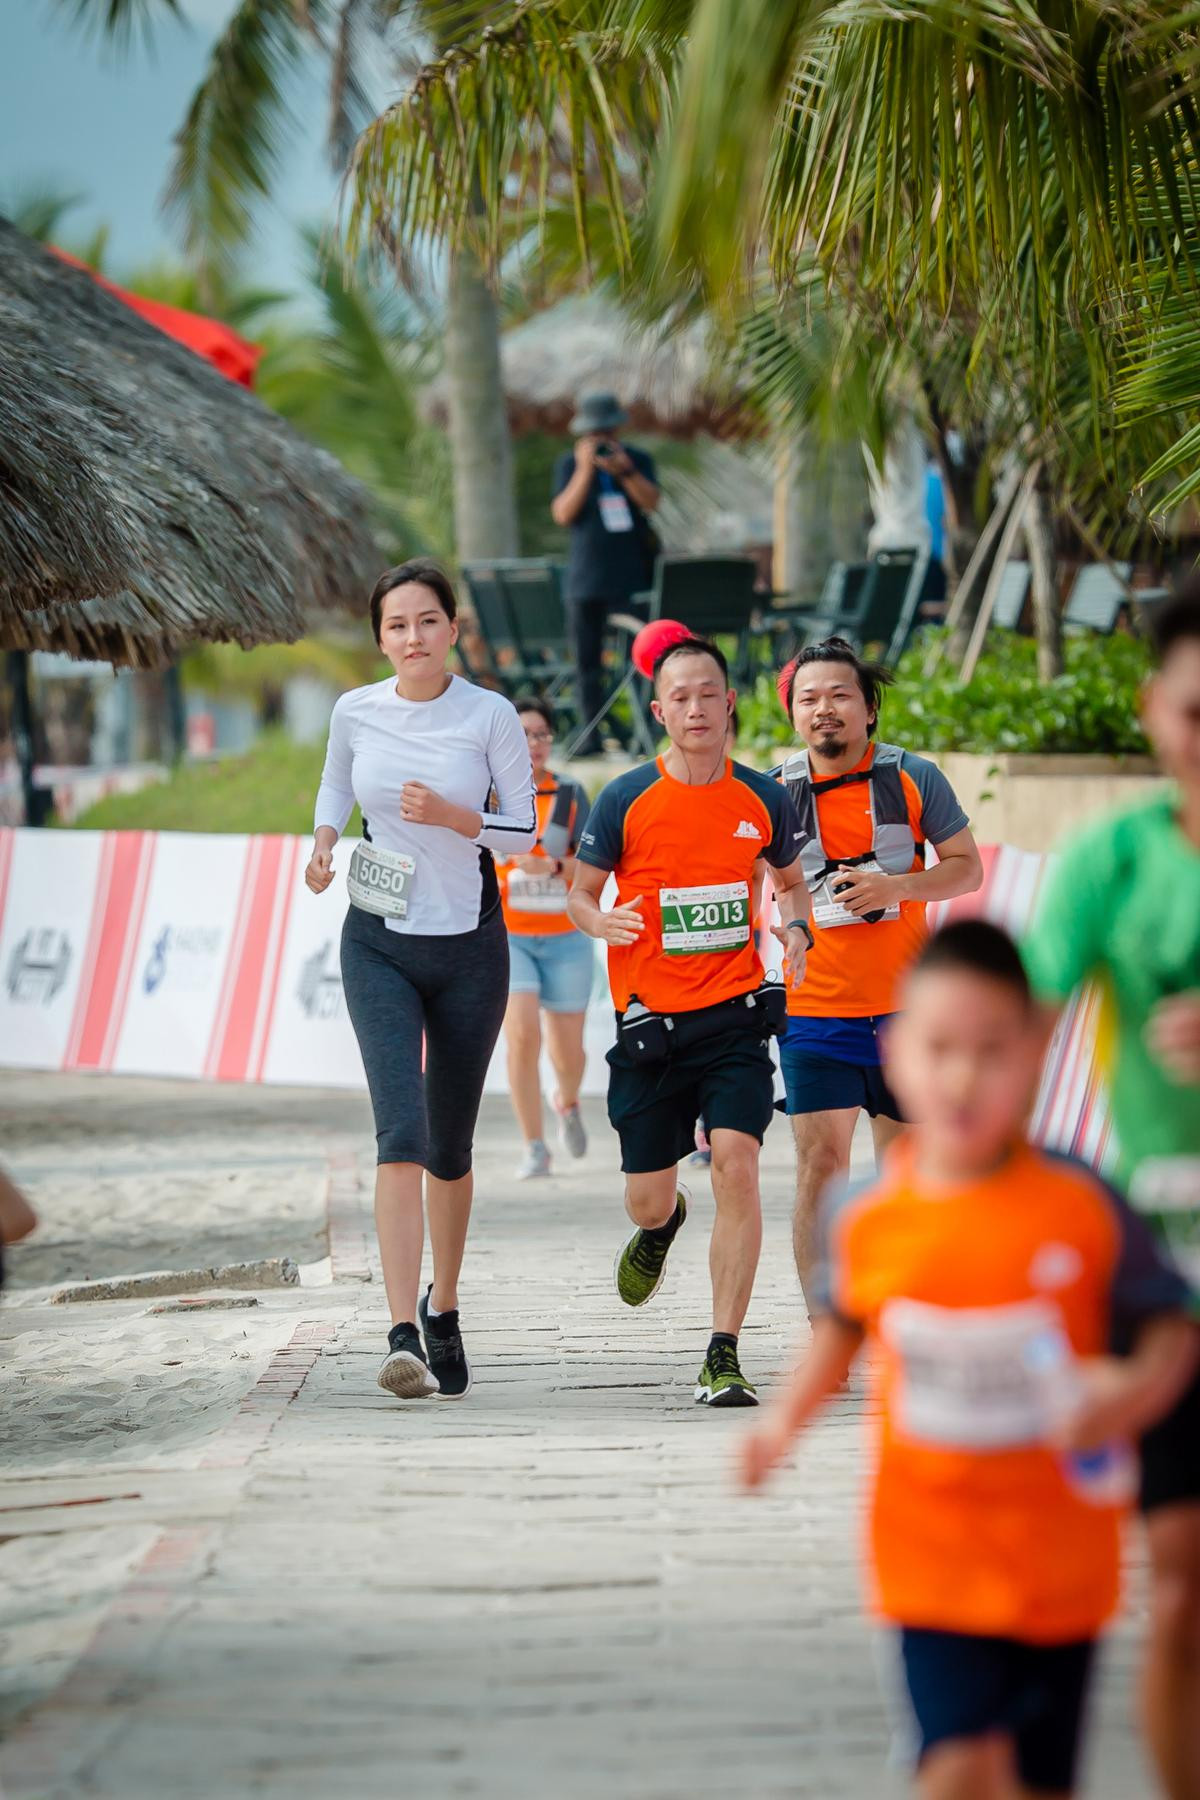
721	1380
641	1264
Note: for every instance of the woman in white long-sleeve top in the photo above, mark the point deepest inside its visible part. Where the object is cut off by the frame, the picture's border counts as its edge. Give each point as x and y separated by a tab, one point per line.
424	948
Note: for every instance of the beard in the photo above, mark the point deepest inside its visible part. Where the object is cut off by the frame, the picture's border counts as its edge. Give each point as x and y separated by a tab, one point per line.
830	743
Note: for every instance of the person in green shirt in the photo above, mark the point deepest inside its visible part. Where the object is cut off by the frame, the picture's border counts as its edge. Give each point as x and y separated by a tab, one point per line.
1122	908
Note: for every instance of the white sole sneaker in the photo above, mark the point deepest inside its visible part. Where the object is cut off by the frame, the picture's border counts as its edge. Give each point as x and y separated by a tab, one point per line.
407	1377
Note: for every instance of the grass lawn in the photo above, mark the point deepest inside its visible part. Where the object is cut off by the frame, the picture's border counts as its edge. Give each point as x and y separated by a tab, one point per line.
271	788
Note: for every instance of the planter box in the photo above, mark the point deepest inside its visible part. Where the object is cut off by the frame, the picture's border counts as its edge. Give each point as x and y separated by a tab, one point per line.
1032	802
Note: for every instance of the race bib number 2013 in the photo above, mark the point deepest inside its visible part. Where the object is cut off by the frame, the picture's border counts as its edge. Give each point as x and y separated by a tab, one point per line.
698	919
377	881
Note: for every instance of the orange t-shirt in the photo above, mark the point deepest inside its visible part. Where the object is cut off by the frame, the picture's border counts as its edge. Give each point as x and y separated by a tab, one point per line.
974	1525
545	915
690	853
854	971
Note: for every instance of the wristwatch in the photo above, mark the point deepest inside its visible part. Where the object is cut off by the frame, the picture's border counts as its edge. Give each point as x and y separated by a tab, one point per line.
804	926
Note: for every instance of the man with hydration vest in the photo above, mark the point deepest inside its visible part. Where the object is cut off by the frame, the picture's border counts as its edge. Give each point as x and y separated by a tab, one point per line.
867	810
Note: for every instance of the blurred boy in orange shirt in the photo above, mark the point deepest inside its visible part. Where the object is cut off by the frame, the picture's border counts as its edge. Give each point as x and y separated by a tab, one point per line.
992	1278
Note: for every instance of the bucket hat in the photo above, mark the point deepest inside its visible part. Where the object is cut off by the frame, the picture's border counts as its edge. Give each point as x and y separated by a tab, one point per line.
597	412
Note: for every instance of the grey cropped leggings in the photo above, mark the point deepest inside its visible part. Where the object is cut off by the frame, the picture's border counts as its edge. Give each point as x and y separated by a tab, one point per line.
449	992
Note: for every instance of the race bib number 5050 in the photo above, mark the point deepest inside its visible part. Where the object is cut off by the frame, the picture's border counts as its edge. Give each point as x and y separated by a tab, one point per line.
696	919
377	880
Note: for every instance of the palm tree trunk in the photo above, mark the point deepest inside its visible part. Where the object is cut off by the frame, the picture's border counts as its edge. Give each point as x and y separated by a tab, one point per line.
485	505
1043	586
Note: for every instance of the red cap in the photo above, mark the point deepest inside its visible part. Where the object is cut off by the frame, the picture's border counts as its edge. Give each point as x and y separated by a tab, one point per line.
653	639
783	681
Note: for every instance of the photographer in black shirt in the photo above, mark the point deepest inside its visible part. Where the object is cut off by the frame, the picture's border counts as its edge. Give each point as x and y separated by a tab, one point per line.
604	492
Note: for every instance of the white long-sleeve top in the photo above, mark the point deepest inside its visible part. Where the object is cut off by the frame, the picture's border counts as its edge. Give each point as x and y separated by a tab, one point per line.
467	745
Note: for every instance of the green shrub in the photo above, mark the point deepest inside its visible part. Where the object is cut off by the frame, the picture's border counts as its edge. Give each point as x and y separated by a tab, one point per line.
271	788
1005	708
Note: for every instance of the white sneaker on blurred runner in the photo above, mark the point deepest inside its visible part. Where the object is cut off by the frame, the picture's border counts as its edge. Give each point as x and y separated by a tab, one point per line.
537	1161
572	1134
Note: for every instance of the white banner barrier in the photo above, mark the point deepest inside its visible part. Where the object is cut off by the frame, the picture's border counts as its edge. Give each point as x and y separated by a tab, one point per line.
172	953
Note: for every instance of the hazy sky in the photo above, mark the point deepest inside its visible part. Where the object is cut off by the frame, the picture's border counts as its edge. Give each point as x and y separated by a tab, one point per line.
75	115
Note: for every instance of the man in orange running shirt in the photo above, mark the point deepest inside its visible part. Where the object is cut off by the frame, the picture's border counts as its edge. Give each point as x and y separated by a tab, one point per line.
683	836
867	809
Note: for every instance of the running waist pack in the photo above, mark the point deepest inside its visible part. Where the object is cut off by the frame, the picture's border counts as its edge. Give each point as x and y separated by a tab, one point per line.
650	1037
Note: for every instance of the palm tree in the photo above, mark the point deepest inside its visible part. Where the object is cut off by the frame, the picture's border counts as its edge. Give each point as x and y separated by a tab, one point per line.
228	154
1004	184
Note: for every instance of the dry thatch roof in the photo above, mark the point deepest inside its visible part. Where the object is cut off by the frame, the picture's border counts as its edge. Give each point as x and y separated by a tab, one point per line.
667	381
145	501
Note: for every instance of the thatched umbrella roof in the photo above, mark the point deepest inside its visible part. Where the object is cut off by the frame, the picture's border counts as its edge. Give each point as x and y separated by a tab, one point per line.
145	501
666	380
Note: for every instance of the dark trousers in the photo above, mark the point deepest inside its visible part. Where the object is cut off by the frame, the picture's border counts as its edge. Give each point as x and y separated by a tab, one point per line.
586	624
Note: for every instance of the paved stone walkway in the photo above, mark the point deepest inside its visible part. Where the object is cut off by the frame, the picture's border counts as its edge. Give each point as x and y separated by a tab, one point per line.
550	1590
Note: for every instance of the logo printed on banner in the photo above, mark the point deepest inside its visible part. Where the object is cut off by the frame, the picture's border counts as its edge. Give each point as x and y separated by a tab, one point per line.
187	956
38	966
319	989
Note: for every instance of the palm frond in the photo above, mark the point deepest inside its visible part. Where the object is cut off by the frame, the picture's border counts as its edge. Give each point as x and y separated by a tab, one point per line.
38	208
549	105
230	146
121	22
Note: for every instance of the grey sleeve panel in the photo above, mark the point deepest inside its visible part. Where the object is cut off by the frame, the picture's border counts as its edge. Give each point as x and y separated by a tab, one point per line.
583	807
1145	1282
836	1199
941	814
602	839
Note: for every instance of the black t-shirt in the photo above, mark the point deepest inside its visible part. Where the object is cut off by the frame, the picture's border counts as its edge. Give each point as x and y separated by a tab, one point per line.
603	563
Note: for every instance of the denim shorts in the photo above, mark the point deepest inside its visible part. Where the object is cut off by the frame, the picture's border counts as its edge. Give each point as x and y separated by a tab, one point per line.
557	966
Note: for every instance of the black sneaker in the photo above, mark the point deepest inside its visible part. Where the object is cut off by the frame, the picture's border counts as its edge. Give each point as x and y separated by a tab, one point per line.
444	1347
405	1373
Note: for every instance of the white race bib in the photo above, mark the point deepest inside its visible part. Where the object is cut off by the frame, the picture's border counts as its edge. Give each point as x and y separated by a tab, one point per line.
378	881
615	513
972	1378
696	919
536	893
827	909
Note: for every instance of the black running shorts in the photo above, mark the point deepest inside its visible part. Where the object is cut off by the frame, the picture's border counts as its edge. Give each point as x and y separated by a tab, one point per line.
653	1107
1171	1456
969	1687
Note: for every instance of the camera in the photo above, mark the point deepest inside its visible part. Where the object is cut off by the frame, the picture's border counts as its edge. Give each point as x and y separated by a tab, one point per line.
868	918
605	448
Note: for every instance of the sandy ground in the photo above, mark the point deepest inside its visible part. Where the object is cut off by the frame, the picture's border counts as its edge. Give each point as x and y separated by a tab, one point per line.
137	1175
547	1591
